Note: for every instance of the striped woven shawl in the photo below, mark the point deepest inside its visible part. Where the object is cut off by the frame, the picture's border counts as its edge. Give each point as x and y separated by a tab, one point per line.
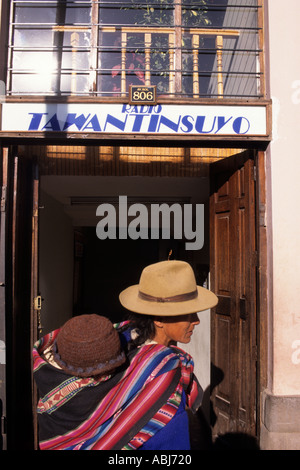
116	412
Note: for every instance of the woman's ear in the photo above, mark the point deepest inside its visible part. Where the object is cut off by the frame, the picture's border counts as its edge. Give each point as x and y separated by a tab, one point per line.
158	323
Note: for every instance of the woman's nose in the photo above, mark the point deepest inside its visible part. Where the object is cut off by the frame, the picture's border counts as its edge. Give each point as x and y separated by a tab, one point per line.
194	319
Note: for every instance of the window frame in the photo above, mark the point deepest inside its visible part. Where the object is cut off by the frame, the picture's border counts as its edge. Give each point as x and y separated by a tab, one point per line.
177	71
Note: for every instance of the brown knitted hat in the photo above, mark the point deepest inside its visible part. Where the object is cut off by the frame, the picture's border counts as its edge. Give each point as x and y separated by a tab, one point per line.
88	345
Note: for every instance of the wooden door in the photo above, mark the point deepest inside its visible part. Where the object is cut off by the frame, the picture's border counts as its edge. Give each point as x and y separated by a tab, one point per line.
21	284
233	279
35	297
5	173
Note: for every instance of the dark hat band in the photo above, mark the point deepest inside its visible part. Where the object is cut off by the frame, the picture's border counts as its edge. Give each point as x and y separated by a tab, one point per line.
174	298
95	370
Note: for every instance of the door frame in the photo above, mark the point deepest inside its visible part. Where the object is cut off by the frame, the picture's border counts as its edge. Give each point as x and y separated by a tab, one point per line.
19	240
263	280
5	182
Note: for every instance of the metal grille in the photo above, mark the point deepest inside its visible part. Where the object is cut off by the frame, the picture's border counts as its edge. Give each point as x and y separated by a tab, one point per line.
188	49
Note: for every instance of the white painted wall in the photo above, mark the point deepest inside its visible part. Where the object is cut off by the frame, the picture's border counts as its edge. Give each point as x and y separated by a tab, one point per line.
285	179
55	264
199	349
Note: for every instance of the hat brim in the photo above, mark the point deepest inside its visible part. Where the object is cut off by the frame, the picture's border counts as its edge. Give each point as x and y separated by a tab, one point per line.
130	299
100	369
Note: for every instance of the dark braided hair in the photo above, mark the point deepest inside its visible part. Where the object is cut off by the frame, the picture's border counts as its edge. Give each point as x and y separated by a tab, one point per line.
144	326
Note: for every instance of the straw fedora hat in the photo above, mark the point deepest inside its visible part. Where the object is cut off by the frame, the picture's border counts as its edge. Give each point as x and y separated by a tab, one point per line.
167	288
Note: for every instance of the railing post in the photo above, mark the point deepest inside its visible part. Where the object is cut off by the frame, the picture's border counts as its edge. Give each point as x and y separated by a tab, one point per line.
74	44
195	45
123	65
147	59
171	64
219	47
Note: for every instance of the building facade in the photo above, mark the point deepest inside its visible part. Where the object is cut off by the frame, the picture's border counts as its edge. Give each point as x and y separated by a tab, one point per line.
135	132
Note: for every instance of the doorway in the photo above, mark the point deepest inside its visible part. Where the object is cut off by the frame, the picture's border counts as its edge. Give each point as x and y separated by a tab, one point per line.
227	263
75	268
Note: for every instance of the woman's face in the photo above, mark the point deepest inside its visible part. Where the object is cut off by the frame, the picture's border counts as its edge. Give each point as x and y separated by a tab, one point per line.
175	329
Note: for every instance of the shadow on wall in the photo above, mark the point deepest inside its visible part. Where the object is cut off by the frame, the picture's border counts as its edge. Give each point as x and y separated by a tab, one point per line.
200	430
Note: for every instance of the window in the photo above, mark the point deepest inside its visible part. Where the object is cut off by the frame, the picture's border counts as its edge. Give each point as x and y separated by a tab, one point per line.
187	48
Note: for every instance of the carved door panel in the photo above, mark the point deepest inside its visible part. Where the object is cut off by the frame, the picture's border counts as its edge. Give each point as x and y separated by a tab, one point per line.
233	278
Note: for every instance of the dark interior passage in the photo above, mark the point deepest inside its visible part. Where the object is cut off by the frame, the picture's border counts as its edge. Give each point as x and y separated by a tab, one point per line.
106	267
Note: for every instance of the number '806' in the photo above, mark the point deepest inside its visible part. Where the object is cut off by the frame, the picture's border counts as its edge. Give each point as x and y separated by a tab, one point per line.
143	95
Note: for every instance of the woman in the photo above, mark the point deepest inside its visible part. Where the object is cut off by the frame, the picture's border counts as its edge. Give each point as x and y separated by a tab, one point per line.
99	401
165	305
162	334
